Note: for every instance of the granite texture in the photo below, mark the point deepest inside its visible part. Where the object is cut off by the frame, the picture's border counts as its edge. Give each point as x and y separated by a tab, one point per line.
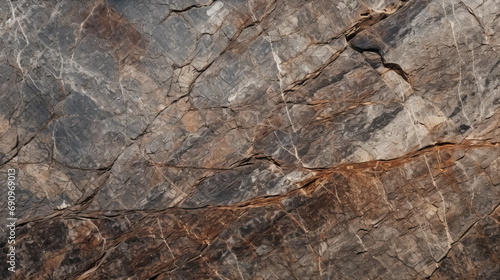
258	139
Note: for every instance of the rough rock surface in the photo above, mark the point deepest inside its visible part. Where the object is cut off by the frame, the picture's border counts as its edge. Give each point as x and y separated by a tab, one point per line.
258	139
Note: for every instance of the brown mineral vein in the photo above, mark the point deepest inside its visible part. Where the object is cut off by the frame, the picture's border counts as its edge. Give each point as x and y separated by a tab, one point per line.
263	139
304	188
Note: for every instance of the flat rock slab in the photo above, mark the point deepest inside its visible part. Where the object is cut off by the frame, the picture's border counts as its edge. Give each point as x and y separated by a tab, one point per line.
228	139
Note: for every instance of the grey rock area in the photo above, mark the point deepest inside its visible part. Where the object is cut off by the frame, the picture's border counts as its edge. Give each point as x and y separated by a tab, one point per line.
229	139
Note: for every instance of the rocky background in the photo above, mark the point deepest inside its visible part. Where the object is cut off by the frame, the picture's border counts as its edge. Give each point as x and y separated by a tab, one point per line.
257	139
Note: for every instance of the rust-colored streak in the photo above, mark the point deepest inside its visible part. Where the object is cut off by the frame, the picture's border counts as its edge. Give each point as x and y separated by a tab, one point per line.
366	169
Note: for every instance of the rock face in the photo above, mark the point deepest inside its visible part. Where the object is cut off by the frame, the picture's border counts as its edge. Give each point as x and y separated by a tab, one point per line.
259	139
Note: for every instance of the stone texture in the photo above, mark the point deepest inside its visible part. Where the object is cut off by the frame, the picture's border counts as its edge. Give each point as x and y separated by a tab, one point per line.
255	139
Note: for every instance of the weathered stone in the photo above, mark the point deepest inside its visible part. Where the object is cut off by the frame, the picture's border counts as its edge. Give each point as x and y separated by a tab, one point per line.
258	139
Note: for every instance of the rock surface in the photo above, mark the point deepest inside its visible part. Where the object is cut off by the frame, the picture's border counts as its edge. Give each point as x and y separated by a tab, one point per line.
259	139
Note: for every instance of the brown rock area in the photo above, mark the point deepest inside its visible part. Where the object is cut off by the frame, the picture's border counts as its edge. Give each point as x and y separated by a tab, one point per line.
258	139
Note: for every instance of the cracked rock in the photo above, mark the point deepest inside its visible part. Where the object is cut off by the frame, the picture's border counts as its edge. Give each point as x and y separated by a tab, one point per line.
260	139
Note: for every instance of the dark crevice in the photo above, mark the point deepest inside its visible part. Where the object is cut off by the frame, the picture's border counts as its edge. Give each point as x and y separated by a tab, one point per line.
398	70
388	65
257	157
440	144
369	19
180	11
270	159
154	276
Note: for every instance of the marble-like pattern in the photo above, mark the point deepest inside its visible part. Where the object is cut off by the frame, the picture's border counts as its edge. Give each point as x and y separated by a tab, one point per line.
259	139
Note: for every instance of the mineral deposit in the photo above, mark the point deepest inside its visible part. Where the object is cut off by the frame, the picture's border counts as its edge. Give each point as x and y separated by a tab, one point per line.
251	139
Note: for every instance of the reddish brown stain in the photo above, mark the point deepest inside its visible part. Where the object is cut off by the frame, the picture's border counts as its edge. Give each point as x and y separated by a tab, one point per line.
118	33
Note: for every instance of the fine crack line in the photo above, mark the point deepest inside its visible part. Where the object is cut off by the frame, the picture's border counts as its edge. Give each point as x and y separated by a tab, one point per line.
308	185
464	234
277	60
